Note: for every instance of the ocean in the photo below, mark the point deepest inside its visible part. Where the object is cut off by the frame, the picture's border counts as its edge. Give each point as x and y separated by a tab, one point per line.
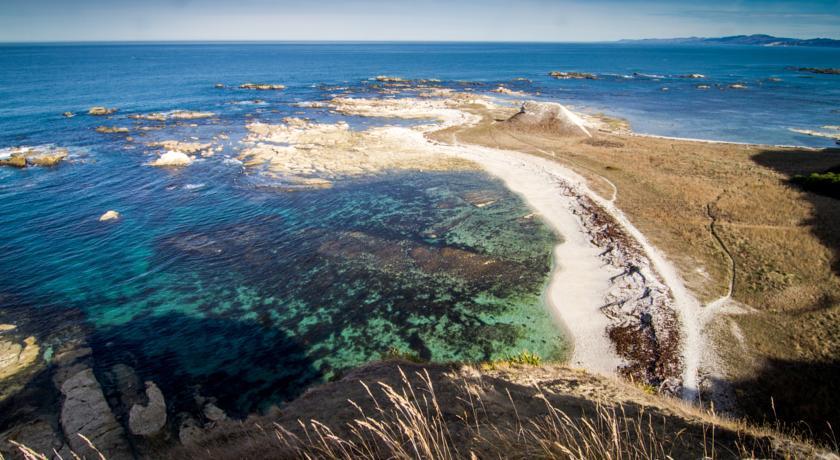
217	282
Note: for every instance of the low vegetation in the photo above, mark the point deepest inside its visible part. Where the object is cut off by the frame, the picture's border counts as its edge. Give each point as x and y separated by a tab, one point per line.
784	247
827	183
405	411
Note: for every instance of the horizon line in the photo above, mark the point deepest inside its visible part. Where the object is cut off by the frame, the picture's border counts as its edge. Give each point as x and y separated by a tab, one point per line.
353	41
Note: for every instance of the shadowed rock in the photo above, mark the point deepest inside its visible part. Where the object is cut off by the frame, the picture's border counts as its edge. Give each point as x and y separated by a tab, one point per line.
86	412
149	419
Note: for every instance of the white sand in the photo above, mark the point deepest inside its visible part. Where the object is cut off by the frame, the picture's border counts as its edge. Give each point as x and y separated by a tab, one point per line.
579	281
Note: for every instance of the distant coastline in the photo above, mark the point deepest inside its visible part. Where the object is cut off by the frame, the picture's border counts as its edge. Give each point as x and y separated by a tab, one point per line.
750	40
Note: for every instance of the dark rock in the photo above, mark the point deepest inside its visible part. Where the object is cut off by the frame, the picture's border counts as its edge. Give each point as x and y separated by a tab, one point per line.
148	419
85	412
573	76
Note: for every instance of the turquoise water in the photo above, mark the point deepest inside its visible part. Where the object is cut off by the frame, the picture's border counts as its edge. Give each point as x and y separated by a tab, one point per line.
214	281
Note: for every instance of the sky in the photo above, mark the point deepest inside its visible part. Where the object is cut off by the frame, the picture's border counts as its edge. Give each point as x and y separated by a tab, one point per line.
411	20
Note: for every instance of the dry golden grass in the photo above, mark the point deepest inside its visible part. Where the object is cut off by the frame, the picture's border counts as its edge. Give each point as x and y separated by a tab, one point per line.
783	241
402	410
407	411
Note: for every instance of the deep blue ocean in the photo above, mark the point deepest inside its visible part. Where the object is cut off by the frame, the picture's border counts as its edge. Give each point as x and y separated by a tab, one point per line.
215	282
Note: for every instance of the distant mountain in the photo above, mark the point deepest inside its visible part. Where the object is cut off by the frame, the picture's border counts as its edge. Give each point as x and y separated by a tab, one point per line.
756	40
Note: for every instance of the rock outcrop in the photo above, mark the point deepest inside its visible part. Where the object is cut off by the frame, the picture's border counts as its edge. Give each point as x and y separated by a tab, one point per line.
827	71
175	115
190	115
190	432
101	111
15	357
551	117
154	116
85	412
507	91
38	435
573	76
387	79
111	129
183	147
173	159
148	419
262	86
15	161
21	157
214	413
109	215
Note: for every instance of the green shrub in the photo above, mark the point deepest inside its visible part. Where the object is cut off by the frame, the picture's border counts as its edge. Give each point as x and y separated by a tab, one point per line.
827	183
405	355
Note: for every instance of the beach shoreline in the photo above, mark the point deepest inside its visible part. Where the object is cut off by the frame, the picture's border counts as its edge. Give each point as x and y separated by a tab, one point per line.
606	287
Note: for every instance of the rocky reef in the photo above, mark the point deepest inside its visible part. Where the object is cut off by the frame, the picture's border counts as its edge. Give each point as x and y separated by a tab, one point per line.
823	71
16	355
573	75
174	115
111	130
308	153
172	159
99	111
21	157
263	86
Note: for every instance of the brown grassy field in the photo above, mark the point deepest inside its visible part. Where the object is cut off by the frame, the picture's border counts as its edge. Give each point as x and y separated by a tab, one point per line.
781	242
403	410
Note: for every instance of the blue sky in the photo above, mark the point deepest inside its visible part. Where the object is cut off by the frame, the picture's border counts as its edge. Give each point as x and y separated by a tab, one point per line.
504	20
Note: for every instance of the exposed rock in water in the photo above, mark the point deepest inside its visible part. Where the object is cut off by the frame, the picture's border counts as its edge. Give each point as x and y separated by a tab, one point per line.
549	116
111	129
183	147
826	71
15	357
20	157
176	115
86	412
38	435
68	114
154	116
189	115
100	111
507	91
173	158
189	432
109	215
149	419
7	327
387	79
573	76
16	161
262	86
694	75
214	413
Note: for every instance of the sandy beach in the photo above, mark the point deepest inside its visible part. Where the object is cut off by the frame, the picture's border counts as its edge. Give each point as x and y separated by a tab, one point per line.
622	304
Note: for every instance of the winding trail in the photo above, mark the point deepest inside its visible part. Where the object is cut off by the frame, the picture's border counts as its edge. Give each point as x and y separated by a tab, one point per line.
541	178
713	229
